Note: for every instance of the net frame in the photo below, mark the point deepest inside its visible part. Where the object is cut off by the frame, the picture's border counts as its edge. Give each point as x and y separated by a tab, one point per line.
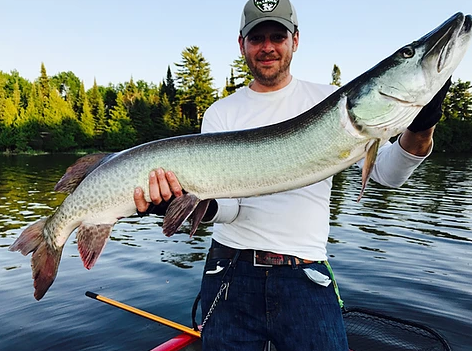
370	330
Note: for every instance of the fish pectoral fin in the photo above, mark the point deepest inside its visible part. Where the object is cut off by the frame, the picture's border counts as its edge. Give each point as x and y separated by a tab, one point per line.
198	214
178	211
91	240
369	162
79	170
45	259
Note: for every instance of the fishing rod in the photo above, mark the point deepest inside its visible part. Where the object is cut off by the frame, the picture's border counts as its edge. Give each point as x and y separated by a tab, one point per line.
144	314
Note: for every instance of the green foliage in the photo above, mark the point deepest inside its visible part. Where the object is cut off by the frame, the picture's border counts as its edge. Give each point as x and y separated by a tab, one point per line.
68	86
9	114
140	113
97	108
243	75
44	87
168	87
194	80
230	86
336	76
85	119
120	133
453	133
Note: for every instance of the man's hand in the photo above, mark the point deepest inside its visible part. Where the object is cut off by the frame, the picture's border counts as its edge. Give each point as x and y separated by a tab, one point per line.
163	188
431	113
418	138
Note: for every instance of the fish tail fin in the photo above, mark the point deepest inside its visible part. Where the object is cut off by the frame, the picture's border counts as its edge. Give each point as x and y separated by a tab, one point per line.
30	238
45	259
91	240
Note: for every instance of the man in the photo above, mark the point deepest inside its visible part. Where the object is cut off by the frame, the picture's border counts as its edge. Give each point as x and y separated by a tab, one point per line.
266	277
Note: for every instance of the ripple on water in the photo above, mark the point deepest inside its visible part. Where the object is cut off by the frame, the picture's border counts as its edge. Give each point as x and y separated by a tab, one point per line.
404	251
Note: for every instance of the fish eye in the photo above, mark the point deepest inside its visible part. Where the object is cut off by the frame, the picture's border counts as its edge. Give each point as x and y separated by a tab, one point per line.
407	52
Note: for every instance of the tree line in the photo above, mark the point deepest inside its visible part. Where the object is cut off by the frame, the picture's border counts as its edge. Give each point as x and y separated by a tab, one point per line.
56	113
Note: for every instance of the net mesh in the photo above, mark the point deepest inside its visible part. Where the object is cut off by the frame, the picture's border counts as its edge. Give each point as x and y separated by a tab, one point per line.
368	330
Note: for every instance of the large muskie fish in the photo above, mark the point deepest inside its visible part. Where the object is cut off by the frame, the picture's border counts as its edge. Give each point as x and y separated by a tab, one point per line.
348	125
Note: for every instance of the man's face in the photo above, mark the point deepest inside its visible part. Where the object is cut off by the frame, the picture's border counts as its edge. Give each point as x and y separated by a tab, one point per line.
268	49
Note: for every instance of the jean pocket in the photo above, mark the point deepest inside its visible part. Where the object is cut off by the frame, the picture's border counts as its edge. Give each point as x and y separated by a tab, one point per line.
317	277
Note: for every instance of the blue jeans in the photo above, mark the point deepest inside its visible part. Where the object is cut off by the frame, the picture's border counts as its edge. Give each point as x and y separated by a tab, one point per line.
278	304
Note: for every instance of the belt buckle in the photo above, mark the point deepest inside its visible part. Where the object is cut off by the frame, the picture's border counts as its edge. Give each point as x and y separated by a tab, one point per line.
255	264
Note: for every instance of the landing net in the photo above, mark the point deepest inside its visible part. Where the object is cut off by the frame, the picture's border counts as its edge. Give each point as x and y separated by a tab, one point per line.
372	331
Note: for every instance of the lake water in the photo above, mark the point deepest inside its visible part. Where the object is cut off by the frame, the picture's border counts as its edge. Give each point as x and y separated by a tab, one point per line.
404	252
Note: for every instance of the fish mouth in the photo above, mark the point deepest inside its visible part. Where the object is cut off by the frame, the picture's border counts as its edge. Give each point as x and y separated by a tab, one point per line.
396	98
440	43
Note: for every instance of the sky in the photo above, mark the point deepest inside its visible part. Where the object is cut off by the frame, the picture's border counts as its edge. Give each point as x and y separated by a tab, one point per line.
115	40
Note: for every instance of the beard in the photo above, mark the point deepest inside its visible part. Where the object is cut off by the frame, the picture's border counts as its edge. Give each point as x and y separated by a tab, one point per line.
269	77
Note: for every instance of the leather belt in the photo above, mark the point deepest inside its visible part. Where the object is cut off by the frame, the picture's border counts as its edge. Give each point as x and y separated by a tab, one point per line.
257	257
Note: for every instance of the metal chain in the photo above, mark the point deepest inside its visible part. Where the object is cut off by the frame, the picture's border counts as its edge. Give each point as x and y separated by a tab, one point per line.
223	287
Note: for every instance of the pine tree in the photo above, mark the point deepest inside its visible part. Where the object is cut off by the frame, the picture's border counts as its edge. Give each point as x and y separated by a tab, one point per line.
194	80
168	113
85	118
120	133
68	86
109	95
243	75
8	115
230	86
59	135
130	93
140	115
97	108
159	127
33	122
35	106
44	86
169	87
43	92
336	76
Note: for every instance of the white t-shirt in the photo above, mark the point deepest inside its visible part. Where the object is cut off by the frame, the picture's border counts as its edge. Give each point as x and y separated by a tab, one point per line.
294	222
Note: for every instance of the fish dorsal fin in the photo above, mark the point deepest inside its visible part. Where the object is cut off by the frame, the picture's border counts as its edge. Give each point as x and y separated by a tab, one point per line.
79	170
369	162
91	240
179	210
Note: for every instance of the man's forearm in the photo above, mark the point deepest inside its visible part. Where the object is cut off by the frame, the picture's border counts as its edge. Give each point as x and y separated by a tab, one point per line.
419	143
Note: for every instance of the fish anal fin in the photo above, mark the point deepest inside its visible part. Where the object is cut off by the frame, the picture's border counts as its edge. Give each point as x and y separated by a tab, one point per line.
178	211
198	214
369	162
45	259
91	240
79	170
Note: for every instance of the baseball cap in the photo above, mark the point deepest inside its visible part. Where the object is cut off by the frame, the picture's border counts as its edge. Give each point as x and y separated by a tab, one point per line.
258	11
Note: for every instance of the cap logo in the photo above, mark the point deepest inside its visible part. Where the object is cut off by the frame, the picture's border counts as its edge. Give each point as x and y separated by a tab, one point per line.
266	5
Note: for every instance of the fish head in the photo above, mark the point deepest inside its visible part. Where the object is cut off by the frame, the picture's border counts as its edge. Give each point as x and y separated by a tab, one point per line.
384	100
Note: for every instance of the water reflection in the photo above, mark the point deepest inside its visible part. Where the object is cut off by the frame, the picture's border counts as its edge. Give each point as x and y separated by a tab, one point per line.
436	199
26	188
405	251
